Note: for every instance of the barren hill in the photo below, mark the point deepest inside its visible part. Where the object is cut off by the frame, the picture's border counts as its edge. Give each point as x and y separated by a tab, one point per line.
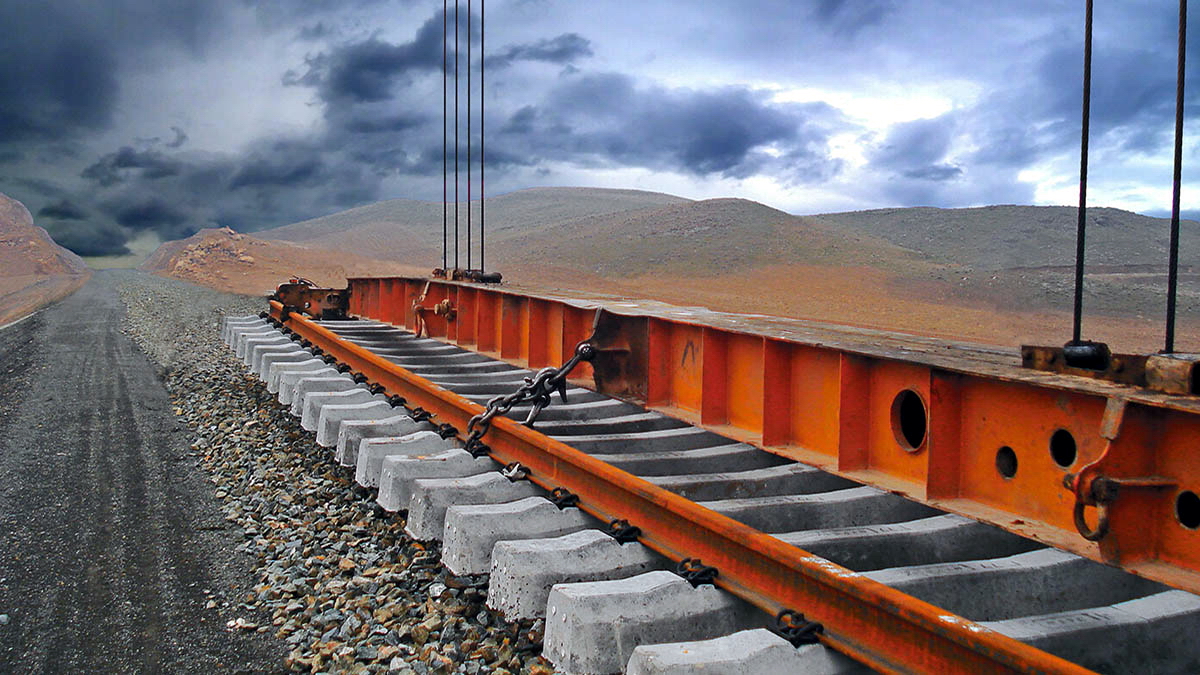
1008	236
994	274
410	231
229	261
34	270
701	239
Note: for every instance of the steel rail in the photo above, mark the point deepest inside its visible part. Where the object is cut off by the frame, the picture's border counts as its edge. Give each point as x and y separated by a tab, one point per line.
882	627
926	418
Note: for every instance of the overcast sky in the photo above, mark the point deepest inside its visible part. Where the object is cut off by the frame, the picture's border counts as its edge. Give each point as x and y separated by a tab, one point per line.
130	116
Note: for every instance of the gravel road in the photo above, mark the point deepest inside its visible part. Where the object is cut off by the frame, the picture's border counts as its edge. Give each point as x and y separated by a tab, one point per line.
160	512
110	543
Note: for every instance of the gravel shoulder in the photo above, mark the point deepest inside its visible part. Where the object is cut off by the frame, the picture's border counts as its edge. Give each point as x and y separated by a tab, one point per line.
111	546
161	512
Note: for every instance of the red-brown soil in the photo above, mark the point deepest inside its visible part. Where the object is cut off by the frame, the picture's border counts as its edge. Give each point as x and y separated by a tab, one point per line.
34	271
238	263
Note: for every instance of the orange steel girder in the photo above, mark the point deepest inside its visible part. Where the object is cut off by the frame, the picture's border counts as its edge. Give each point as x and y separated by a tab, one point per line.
875	624
989	439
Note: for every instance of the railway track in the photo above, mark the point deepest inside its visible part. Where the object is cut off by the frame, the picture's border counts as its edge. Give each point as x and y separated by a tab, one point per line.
612	604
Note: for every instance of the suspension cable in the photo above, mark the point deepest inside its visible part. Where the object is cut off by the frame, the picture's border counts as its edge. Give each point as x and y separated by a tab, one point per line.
445	139
1081	229
1173	262
469	129
482	135
456	144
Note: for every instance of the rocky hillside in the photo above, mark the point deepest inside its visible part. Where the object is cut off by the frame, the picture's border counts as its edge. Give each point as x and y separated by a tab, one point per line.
34	270
230	261
410	231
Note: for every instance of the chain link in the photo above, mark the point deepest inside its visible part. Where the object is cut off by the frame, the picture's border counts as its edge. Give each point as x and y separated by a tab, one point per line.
536	390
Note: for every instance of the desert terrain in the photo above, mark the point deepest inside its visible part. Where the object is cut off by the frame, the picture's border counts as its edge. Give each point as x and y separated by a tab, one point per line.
228	261
34	271
998	275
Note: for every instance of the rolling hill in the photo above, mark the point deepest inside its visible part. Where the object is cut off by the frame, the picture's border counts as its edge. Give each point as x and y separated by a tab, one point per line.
999	274
34	270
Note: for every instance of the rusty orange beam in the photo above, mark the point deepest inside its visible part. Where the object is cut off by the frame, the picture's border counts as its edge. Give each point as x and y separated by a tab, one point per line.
960	427
875	624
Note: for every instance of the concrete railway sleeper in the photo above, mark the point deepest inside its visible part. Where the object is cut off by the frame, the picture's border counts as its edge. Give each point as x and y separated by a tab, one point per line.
896	584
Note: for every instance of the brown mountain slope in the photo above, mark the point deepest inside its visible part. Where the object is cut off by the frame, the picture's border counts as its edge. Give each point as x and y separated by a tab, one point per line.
1009	236
960	273
702	239
410	231
229	261
34	270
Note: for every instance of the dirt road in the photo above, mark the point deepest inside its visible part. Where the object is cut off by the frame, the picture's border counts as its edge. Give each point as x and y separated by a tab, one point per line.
110	542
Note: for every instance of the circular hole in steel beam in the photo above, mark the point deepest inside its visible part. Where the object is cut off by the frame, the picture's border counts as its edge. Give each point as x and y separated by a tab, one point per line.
908	420
1062	448
1187	509
1006	462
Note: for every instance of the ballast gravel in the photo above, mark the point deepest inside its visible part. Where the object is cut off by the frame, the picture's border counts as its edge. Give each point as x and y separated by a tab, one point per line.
338	583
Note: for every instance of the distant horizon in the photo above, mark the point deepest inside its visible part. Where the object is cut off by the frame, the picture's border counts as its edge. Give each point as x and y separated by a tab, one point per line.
259	113
147	241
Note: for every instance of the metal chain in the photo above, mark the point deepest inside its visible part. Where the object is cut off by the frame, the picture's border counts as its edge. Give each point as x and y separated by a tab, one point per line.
536	390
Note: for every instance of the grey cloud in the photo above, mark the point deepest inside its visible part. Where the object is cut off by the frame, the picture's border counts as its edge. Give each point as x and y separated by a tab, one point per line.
731	131
371	69
63	209
564	49
180	138
89	238
848	17
119	166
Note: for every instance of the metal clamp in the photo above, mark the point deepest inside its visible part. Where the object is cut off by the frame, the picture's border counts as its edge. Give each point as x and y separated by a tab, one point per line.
793	627
623	532
514	471
695	572
1100	491
563	498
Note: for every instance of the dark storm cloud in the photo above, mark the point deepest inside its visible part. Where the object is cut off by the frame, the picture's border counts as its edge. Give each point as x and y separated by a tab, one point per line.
150	213
180	138
733	132
847	17
916	149
370	70
122	165
63	209
91	238
561	50
59	60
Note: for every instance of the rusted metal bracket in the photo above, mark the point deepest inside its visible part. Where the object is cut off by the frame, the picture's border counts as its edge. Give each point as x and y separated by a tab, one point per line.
300	294
1168	373
459	274
1093	488
1173	373
1120	368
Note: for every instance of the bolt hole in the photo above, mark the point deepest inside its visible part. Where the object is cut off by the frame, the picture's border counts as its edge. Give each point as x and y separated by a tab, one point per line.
1006	462
1187	509
1062	448
908	420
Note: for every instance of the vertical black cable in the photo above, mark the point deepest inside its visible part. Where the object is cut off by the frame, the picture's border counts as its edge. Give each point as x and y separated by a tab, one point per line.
482	135
445	139
455	134
1081	229
469	134
1173	263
